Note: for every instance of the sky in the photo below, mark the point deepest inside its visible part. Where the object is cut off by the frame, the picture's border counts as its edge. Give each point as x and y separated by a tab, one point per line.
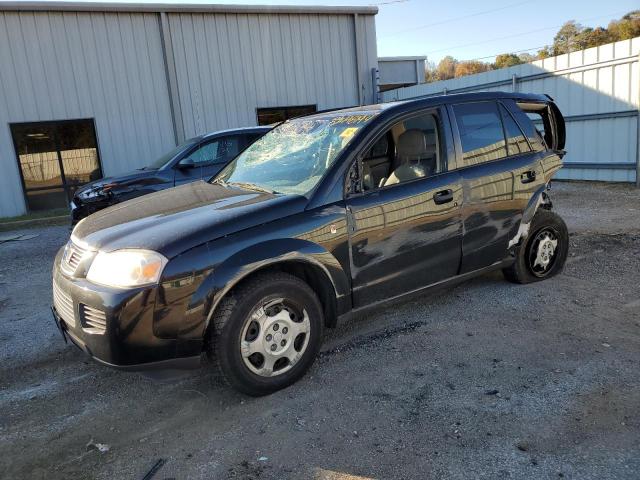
466	29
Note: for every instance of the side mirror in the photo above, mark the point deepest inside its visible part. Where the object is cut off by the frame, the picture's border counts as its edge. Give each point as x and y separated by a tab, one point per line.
186	164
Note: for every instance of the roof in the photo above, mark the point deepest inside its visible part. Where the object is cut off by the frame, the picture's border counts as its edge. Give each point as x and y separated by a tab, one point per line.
470	97
401	59
258	129
29	6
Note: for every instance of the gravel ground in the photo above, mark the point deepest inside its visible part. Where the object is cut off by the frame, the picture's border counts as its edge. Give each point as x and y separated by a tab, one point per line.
487	380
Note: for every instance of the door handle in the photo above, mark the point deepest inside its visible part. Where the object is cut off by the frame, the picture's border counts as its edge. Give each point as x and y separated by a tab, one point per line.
528	177
443	196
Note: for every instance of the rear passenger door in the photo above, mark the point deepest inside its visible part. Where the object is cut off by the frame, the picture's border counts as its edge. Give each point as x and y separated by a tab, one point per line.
404	221
496	162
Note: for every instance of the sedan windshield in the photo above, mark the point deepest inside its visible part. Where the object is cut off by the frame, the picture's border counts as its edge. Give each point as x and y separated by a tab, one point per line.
293	157
170	155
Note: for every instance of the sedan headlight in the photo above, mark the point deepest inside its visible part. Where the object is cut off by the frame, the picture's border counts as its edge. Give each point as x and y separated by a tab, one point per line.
126	268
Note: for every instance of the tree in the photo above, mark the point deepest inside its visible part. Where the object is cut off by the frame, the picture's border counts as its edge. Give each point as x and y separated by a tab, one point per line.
470	67
592	37
627	27
507	60
526	58
565	39
430	72
545	53
446	68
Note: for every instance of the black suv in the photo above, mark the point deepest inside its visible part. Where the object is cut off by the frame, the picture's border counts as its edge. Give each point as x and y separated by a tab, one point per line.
195	159
323	217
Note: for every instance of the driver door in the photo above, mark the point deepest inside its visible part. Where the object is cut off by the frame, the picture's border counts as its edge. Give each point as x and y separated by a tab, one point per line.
405	228
208	158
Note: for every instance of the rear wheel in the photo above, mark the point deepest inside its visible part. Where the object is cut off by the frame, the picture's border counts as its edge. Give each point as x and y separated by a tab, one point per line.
543	253
266	333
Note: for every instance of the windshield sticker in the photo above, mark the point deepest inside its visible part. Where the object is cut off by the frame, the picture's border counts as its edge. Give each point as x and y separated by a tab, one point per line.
347	133
351	119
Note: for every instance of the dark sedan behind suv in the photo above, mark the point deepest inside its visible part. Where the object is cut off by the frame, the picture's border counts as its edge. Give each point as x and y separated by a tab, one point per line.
195	159
325	216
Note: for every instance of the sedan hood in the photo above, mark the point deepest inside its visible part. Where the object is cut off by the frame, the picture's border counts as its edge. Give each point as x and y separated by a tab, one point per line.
95	189
175	220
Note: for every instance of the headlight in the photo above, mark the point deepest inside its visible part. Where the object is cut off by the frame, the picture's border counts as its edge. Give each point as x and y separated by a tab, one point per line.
126	268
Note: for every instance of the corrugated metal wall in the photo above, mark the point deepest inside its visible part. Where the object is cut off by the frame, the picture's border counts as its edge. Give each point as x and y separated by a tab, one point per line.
228	65
110	66
598	92
66	65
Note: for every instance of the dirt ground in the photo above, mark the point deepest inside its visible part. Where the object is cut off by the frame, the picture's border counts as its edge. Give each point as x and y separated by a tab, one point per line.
487	380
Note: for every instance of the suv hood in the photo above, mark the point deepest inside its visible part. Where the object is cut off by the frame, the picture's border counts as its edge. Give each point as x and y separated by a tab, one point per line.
175	220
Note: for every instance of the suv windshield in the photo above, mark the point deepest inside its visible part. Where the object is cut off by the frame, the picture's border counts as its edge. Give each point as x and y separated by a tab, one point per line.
293	157
167	157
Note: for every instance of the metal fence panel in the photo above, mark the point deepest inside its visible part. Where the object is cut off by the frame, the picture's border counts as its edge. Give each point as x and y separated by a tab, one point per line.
596	89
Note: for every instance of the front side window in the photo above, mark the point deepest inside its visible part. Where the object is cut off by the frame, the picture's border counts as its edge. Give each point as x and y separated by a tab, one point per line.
293	157
481	132
409	150
164	160
220	150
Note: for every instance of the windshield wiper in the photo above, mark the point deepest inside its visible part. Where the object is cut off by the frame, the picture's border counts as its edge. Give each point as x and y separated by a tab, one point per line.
251	186
219	181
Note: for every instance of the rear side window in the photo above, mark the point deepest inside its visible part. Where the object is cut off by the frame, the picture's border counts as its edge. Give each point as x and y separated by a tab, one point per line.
530	130
516	142
481	132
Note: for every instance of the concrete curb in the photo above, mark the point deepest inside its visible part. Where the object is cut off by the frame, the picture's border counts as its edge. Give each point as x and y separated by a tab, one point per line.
36	222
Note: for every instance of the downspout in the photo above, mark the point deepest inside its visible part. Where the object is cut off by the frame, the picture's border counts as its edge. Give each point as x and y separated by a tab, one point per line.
171	78
356	37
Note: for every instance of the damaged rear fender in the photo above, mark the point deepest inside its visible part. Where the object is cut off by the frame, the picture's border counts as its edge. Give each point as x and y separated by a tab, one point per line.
539	199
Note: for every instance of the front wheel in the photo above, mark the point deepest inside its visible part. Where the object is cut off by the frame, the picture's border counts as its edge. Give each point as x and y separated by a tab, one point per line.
543	253
266	333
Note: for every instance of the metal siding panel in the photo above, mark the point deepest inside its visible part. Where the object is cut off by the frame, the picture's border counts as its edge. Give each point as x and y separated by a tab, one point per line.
84	65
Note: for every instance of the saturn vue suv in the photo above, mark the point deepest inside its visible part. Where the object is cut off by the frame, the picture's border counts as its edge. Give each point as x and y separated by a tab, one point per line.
325	216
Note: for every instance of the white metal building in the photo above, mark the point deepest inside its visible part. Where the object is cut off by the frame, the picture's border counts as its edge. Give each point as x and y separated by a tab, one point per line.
598	91
90	89
398	72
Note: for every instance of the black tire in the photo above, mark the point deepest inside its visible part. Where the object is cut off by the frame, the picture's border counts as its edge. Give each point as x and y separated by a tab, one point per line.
523	270
230	320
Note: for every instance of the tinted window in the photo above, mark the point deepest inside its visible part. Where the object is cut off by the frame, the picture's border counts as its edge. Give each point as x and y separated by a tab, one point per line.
269	116
410	149
533	135
220	150
516	142
55	158
480	132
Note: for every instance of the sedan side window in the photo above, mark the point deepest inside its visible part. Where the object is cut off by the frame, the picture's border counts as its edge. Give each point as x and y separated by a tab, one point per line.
220	150
410	149
481	132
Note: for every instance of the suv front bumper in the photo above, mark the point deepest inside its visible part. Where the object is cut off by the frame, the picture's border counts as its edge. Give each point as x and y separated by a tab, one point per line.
124	337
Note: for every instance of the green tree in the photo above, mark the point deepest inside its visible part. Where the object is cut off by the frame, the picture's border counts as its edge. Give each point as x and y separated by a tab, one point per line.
507	60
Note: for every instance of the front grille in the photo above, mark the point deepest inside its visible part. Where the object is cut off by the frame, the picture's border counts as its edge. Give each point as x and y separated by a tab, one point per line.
93	320
64	305
72	257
